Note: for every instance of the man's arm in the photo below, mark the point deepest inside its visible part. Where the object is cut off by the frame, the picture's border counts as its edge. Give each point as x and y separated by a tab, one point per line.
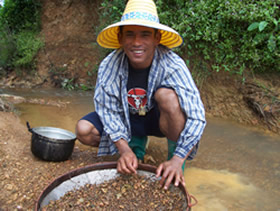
111	111
108	103
178	77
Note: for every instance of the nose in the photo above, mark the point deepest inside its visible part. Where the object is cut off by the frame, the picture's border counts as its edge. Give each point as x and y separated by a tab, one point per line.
137	40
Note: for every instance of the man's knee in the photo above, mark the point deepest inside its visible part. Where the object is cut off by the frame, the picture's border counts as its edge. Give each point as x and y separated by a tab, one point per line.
83	128
87	133
172	119
167	100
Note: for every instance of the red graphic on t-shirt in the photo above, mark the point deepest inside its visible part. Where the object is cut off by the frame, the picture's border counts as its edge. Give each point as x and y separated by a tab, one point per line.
137	97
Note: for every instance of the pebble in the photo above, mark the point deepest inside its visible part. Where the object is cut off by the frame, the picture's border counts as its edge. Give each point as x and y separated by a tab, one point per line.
9	187
19	207
14	196
81	200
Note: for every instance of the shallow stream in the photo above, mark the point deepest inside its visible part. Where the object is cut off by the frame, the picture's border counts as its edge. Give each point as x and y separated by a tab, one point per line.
236	168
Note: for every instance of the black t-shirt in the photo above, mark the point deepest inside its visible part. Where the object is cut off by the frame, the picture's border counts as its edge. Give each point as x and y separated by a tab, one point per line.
142	123
136	88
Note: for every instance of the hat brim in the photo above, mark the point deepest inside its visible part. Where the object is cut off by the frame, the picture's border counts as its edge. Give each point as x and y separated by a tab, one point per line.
108	37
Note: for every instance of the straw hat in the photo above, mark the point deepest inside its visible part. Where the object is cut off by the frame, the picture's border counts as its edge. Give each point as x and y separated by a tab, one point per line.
141	13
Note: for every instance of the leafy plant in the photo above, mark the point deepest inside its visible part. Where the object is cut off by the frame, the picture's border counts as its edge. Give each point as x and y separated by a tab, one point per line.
109	12
27	45
7	48
68	84
217	29
21	15
270	37
93	71
85	87
19	29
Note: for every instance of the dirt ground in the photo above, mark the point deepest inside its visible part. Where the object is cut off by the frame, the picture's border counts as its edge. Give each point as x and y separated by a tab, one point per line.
68	30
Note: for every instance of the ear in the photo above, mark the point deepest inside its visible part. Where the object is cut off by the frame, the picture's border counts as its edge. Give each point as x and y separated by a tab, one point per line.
158	37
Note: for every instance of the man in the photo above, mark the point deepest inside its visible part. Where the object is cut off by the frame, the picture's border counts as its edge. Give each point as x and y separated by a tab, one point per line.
144	89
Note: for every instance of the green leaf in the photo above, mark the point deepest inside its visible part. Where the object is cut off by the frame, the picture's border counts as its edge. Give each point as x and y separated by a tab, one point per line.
271	44
86	64
275	22
262	25
253	26
89	73
260	38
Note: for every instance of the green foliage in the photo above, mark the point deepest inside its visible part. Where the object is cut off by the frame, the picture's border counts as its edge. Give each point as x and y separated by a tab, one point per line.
224	32
19	29
21	15
94	68
109	12
229	35
7	48
61	77
85	87
27	45
68	84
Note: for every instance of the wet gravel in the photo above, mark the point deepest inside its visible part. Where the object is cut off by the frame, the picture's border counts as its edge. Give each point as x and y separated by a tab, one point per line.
126	192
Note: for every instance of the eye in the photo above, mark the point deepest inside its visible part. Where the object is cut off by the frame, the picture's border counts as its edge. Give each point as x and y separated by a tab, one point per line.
129	34
146	34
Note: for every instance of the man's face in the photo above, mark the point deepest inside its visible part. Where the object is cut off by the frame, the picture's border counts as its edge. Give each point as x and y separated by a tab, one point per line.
139	44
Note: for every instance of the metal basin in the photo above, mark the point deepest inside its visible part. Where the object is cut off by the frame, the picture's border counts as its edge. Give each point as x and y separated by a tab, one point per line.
96	174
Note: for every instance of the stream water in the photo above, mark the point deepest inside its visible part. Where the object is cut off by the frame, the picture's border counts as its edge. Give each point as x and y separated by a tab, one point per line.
236	168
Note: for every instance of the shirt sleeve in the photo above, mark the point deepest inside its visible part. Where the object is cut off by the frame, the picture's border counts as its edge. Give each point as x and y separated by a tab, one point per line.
108	100
180	79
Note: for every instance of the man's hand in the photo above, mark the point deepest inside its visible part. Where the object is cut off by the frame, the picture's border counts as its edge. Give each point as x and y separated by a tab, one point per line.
128	162
169	170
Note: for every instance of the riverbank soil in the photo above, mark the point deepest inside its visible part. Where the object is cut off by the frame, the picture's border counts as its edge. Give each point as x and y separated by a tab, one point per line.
69	52
255	102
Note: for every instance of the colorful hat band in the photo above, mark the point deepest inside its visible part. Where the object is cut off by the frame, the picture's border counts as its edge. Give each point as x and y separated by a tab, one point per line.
140	16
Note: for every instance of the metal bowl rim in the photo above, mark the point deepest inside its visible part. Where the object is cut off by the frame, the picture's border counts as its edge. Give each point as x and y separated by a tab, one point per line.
54	130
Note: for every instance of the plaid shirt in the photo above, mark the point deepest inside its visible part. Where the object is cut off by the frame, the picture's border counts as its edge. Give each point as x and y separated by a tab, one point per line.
167	70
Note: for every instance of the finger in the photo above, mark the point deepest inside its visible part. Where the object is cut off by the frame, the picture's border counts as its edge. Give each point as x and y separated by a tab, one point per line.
126	167
119	166
183	180
162	180
135	164
159	170
130	167
178	179
168	180
122	166
164	175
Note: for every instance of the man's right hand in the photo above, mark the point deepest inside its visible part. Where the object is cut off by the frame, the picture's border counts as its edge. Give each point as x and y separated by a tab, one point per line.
127	163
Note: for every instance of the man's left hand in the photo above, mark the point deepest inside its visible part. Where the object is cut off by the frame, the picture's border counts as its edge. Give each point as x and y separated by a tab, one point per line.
169	170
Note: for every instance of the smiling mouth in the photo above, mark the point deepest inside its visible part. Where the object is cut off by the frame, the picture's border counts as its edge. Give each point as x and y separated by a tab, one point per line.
137	51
